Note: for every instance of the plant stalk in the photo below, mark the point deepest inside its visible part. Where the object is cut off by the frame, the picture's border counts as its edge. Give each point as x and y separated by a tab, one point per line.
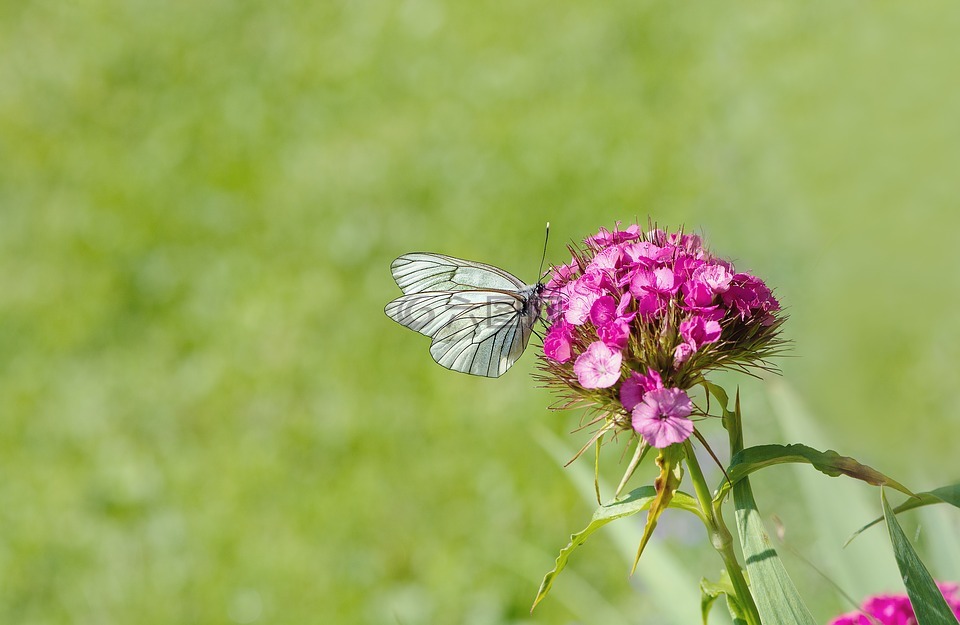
720	537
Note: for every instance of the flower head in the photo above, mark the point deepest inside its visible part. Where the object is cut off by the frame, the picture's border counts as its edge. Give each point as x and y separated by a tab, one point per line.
635	319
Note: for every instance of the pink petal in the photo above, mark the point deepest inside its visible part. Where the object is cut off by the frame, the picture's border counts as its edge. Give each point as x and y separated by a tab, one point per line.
558	343
662	433
598	366
661	418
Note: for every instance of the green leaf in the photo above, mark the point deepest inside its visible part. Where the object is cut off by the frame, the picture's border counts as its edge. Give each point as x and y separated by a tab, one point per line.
711	591
596	469
662	574
721	395
829	462
773	591
929	605
945	494
642	448
638	500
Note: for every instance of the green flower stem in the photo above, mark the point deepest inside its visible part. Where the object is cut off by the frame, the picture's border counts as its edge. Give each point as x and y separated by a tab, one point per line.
720	536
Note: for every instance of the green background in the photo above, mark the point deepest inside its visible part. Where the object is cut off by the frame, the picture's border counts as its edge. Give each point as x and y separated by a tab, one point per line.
206	417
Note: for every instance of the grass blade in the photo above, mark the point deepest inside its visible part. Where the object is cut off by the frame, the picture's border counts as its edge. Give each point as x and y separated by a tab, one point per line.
773	591
929	606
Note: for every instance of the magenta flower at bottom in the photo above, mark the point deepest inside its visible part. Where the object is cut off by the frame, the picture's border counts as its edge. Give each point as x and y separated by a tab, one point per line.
895	609
662	417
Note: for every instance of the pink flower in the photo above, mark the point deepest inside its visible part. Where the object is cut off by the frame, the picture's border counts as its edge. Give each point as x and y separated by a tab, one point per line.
558	342
651	305
613	326
604	237
580	294
705	283
660	281
894	609
696	295
562	274
662	417
615	334
715	276
653	289
646	254
603	311
636	386
748	295
606	259
598	366
699	330
951	592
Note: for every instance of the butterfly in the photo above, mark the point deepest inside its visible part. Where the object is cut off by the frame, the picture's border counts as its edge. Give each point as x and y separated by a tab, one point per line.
478	316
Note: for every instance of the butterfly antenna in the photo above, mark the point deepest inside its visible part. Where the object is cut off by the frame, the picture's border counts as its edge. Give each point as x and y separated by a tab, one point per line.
543	256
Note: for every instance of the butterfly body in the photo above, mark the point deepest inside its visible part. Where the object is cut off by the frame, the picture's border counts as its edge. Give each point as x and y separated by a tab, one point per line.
478	316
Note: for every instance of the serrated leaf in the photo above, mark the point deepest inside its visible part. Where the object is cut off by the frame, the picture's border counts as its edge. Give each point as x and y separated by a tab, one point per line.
829	462
636	501
945	494
929	606
773	591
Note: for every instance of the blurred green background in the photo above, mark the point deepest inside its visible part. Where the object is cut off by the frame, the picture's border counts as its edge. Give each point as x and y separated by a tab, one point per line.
206	417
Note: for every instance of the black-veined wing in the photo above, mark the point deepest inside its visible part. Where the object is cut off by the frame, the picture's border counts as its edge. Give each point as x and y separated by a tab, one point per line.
488	336
421	272
428	312
479	317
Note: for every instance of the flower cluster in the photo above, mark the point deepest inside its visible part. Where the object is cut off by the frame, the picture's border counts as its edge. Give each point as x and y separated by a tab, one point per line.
895	609
636	318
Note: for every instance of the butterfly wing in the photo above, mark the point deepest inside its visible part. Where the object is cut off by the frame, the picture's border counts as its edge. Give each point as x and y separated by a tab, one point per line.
420	272
486	338
479	316
428	312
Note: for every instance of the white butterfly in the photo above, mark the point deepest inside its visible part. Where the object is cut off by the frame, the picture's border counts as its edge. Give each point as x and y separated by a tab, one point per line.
479	317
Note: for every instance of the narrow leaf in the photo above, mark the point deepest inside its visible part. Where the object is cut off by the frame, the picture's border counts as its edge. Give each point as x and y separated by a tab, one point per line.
662	574
717	391
828	462
596	471
666	484
929	606
638	456
773	591
711	591
945	494
706	602
721	395
638	500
